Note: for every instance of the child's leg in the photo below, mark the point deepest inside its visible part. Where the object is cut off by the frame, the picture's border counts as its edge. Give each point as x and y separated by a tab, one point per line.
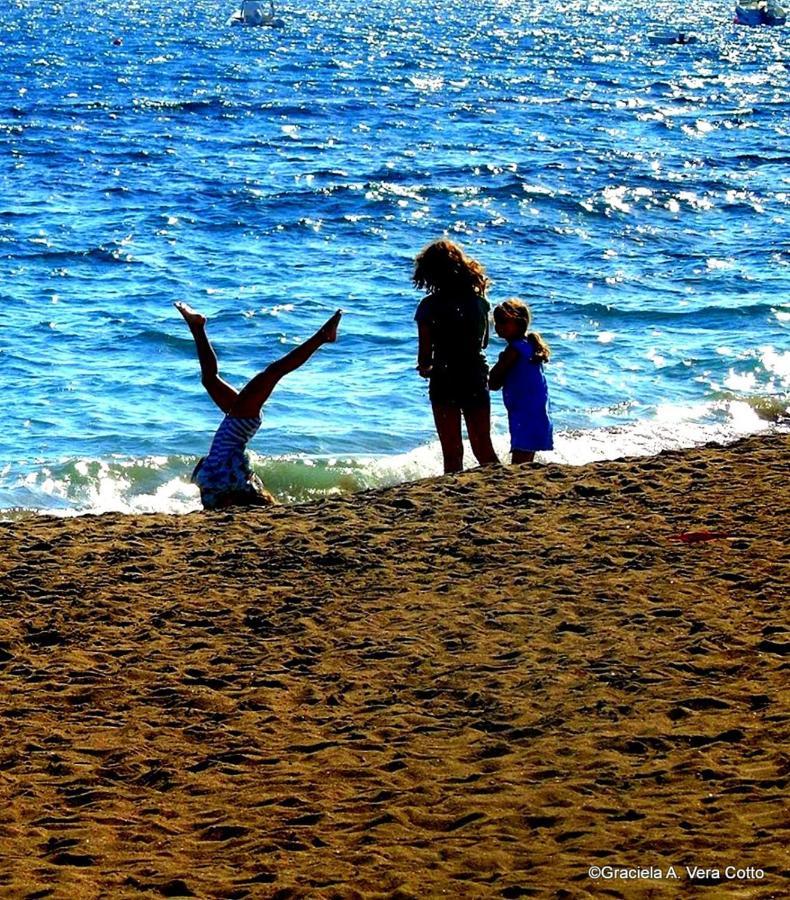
478	427
223	394
256	392
448	427
522	456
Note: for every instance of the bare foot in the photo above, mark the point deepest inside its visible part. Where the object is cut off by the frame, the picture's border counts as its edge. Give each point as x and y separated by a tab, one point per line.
193	318
329	328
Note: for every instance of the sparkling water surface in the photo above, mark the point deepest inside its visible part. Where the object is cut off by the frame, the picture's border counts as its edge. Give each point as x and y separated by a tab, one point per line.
635	192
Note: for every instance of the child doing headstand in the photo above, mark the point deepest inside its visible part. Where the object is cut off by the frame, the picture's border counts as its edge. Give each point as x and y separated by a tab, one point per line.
519	373
225	477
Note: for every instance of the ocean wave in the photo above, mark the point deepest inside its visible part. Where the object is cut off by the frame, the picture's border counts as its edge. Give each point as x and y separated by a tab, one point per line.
708	316
161	484
113	253
473	185
188	105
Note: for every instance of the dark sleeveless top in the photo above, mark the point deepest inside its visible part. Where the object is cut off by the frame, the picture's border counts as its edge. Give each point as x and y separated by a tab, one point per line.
459	329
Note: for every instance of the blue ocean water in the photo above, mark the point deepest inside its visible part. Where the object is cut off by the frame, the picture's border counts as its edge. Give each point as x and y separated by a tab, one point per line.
635	192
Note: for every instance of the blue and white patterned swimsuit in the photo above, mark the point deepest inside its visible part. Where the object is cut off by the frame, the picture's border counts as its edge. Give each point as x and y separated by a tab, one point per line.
226	471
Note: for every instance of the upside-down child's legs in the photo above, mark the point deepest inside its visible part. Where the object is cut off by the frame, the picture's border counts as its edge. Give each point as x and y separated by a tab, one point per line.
222	393
255	393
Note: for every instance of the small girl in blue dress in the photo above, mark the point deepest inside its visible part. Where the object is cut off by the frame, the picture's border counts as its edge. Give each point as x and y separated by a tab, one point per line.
519	373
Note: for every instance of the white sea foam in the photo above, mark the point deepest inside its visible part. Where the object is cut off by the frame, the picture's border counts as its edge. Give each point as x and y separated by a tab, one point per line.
161	484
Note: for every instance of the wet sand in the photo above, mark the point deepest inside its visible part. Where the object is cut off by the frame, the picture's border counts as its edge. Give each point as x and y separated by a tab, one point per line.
476	686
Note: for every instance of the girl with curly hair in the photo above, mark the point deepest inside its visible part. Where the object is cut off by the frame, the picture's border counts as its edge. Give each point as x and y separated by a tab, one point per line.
452	323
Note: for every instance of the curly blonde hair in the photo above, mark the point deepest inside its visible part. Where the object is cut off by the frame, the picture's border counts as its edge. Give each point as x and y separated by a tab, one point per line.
444	266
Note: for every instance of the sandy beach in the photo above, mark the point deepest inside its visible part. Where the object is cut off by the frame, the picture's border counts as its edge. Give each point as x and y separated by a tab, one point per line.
473	686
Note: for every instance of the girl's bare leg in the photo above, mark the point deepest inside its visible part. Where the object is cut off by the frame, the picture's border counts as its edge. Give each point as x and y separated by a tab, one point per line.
222	393
256	392
522	456
448	427
478	427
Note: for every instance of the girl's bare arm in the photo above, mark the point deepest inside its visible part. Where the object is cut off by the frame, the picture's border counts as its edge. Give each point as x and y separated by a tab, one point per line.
424	349
507	359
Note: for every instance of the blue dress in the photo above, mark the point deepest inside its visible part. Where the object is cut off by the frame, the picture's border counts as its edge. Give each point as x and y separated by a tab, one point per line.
526	397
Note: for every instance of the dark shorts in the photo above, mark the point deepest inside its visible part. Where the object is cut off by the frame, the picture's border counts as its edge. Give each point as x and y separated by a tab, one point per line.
460	388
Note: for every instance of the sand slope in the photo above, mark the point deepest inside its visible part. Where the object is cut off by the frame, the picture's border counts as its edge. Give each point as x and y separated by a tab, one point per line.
475	686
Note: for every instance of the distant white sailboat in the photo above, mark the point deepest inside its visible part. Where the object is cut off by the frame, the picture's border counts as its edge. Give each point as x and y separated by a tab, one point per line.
254	12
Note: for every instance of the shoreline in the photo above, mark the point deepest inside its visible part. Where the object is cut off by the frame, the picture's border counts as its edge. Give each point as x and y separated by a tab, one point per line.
480	684
301	479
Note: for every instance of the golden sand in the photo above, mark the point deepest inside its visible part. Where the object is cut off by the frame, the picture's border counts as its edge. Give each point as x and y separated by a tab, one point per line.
473	686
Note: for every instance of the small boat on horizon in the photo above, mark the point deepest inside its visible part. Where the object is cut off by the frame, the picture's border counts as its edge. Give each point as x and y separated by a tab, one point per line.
254	12
673	37
760	12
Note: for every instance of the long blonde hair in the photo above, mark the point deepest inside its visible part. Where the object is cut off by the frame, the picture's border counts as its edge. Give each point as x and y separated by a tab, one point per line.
515	310
443	265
